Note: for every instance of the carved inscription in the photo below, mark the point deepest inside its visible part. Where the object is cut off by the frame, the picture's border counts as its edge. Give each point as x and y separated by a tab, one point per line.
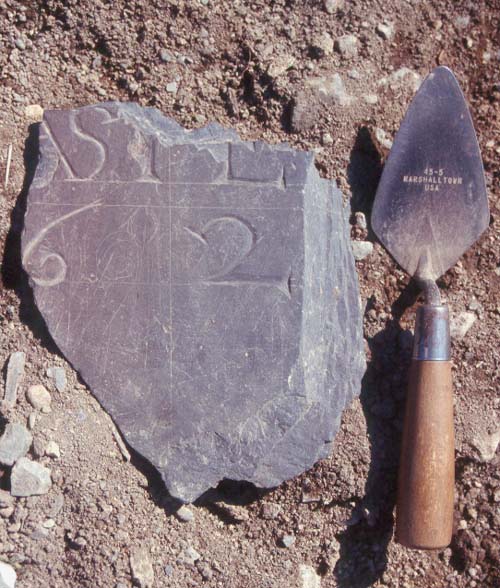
231	258
187	276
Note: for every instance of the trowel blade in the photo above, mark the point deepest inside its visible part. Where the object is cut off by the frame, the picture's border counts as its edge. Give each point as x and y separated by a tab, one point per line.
431	202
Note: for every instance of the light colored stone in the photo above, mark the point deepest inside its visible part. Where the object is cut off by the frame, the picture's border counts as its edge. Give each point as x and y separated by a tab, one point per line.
361	249
287	541
172	87
6	500
142	568
15	374
29	478
403	77
347	46
280	65
370	98
330	89
323	43
52	450
461	323
189	556
326	139
385	30
39	397
14	443
270	510
185	514
462	22
32	420
360	218
8	575
34	112
382	138
165	56
308	577
58	375
332	6
486	444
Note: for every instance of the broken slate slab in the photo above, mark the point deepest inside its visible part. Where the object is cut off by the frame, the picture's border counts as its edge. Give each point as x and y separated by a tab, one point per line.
204	287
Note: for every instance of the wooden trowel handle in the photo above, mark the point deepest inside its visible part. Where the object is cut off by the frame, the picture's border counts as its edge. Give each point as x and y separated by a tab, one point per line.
424	515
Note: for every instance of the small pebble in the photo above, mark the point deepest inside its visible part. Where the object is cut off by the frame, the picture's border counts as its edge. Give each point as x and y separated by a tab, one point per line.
204	569
331	6
486	444
323	44
462	22
29	478
142	568
360	219
58	375
287	541
39	397
347	46
461	323
270	510
184	514
8	575
34	112
169	570
52	450
308	577
15	374
370	98
189	556
165	56
32	420
326	139
382	138
385	30
172	87
49	524
475	305
14	443
6	500
20	44
361	249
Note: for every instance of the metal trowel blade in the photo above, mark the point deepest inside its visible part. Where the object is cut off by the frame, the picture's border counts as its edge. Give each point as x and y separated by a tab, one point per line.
431	202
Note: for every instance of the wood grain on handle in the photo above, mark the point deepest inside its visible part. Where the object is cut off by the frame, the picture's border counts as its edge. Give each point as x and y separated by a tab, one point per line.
424	515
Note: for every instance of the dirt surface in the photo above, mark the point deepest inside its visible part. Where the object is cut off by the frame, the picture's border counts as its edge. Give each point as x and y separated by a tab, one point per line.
249	65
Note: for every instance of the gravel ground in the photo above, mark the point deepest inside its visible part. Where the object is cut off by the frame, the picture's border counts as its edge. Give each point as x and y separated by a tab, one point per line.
331	76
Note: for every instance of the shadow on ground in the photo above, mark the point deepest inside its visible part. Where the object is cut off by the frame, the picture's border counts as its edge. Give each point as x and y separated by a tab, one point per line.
13	275
364	543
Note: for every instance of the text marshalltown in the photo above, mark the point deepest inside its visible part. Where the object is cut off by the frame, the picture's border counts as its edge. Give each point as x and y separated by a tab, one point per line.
432	179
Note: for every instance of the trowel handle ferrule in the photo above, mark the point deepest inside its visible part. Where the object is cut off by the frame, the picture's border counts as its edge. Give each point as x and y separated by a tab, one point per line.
432	334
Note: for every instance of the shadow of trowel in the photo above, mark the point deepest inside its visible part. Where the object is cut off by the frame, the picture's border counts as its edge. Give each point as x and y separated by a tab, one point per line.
364	542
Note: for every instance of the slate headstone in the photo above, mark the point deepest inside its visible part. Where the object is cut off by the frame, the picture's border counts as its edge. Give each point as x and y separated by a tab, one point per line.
204	287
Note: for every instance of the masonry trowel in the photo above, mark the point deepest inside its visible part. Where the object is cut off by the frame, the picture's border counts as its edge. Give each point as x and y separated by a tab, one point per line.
431	205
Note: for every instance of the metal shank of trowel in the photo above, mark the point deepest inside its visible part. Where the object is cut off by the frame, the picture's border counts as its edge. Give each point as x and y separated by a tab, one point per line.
432	326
